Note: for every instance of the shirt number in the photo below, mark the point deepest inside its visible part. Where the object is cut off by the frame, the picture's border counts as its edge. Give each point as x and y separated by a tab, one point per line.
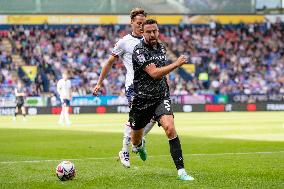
167	105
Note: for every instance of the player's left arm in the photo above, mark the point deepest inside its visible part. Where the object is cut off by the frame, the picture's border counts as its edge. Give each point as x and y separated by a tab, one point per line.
70	90
142	60
158	73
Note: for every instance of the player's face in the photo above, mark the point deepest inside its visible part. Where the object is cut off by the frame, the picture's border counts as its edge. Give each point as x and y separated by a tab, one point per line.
136	24
65	76
151	34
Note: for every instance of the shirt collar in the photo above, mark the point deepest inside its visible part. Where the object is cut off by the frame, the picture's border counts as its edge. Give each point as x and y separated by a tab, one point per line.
138	37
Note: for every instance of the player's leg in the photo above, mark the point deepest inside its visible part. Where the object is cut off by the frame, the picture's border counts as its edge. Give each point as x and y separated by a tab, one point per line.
138	143
16	112
136	137
166	120
138	119
149	126
126	137
61	118
66	115
124	153
23	108
147	129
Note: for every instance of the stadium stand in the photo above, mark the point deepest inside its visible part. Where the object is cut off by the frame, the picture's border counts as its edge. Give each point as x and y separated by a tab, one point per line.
228	59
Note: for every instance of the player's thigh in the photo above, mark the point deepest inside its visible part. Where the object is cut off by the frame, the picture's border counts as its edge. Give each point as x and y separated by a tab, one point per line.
164	107
65	103
167	122
140	118
164	115
20	106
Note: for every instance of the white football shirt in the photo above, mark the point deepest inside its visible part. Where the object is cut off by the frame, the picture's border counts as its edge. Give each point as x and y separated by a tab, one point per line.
124	49
64	89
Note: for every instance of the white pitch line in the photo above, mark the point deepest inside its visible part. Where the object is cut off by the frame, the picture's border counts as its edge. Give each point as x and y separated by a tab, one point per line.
73	124
105	158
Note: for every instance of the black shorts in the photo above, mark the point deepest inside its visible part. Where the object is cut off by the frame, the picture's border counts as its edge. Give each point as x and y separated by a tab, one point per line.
140	118
20	104
65	102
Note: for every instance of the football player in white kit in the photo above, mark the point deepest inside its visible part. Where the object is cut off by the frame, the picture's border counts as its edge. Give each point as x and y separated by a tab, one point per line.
64	90
123	49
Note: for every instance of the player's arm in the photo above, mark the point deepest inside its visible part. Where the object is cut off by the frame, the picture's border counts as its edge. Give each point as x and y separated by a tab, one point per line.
105	70
70	91
58	87
158	73
116	52
16	92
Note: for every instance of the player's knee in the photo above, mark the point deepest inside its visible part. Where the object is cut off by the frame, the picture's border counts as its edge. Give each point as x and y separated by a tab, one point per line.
170	130
135	141
172	133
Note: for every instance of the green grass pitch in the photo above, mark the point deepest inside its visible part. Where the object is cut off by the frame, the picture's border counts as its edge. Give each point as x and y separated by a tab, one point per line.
221	150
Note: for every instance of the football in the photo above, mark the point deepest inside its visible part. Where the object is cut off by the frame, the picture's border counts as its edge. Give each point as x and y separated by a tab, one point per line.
65	170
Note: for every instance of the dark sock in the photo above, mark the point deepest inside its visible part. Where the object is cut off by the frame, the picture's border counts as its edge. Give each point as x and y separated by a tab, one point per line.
15	114
24	115
176	152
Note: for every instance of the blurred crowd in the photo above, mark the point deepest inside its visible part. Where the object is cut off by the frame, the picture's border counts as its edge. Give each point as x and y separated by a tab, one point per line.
235	59
238	59
6	69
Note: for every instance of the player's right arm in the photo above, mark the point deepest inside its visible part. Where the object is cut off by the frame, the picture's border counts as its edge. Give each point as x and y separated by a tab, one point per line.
16	92
105	70
58	87
117	51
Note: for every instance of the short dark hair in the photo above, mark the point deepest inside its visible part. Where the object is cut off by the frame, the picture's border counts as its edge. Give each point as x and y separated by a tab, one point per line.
150	21
137	11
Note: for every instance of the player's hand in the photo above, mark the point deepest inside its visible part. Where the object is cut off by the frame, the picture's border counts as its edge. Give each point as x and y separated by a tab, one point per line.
181	60
96	90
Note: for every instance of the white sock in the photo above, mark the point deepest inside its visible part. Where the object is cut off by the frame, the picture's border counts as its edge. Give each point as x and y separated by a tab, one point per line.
66	115
149	126
61	118
126	137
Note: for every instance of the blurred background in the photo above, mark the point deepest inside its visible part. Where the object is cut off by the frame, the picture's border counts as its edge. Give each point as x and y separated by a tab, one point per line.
236	51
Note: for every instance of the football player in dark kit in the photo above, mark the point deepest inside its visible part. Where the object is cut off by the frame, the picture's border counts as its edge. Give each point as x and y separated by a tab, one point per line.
20	100
151	94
